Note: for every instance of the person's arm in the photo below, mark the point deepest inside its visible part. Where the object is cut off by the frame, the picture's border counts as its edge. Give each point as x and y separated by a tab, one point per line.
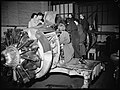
41	22
85	24
64	38
82	37
39	26
32	23
29	24
115	56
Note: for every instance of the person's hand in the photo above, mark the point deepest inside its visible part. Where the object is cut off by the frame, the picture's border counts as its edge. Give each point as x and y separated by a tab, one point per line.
114	56
58	32
42	22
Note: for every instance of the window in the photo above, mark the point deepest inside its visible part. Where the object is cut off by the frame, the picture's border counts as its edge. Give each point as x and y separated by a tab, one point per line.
105	10
63	9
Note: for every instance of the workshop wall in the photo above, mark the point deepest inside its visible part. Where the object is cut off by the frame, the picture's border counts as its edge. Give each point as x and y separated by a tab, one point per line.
19	12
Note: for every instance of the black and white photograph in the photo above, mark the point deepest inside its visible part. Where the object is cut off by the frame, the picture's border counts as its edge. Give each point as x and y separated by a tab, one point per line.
62	44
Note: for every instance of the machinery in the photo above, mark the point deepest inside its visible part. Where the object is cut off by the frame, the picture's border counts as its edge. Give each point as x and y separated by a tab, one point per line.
32	52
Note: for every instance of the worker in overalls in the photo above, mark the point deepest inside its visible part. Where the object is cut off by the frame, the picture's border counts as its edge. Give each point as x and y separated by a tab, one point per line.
67	45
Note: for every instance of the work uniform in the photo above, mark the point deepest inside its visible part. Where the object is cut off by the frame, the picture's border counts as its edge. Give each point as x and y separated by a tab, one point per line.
32	23
67	46
82	39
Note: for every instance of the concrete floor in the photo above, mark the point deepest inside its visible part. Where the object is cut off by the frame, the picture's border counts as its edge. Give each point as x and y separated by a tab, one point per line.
60	81
104	81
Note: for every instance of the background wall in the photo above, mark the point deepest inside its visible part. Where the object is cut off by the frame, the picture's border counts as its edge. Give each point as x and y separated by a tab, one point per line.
19	12
107	11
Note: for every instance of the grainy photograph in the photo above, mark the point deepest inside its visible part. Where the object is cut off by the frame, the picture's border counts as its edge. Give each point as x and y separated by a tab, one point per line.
60	44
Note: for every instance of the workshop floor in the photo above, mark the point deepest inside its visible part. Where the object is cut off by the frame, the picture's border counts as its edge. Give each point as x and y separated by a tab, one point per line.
104	81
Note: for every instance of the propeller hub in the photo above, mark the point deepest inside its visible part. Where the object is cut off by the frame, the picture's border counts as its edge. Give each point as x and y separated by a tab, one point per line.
12	56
